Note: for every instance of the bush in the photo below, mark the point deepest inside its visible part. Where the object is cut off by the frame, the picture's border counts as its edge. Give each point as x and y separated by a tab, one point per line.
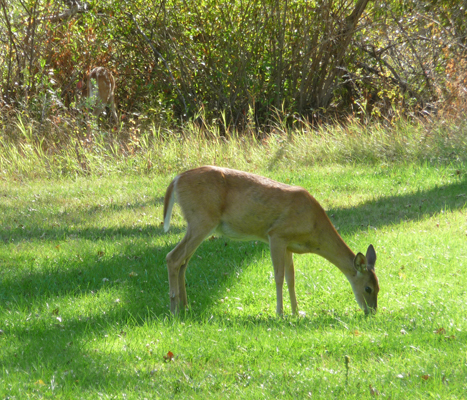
235	64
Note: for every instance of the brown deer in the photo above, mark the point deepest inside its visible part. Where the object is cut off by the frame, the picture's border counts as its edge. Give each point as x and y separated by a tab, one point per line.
100	92
245	206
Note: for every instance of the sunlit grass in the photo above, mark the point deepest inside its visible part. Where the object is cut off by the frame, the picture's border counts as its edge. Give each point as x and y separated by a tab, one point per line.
72	152
84	293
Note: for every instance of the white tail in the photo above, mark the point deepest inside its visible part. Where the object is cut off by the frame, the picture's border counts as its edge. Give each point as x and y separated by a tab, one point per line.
168	205
245	206
100	91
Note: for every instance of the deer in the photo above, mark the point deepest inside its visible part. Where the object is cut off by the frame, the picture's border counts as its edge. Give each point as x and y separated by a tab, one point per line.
245	206
99	90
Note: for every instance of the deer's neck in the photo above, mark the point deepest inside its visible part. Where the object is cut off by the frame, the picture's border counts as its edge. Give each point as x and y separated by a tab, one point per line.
336	251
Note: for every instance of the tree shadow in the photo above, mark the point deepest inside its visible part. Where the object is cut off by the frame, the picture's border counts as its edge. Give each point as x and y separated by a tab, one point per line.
213	264
138	275
30	224
391	210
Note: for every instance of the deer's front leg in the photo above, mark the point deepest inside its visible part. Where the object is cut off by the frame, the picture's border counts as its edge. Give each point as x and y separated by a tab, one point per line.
278	256
290	279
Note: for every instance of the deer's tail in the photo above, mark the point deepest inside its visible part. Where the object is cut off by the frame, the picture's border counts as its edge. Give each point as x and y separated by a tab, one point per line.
169	201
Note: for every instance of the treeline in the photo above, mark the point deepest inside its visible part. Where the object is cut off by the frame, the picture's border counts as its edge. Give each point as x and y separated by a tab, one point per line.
239	64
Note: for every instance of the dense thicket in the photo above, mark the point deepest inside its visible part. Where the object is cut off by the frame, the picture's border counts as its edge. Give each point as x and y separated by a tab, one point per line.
236	63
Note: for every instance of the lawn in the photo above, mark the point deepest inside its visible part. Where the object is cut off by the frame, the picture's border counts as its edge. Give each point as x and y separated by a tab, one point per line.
84	305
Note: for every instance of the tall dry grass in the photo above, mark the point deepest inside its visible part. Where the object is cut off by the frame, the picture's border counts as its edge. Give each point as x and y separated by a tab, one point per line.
66	147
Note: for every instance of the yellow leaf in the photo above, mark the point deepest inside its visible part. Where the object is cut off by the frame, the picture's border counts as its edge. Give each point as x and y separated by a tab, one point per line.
39	382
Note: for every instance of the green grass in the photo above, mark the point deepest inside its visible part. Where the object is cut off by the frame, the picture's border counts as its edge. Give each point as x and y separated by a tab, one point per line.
84	292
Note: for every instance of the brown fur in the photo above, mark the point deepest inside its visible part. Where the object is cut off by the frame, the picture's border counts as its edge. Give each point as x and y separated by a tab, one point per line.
101	87
245	206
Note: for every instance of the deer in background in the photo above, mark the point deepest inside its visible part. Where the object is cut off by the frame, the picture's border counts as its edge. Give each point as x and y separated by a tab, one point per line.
245	206
99	89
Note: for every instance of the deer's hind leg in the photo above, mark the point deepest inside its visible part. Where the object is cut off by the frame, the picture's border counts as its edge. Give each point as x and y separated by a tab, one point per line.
177	262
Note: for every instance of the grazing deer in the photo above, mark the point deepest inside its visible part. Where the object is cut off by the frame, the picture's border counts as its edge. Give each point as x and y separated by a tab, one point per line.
100	91
245	206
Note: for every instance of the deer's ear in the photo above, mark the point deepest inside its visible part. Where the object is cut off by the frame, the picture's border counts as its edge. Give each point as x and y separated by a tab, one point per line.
360	263
371	257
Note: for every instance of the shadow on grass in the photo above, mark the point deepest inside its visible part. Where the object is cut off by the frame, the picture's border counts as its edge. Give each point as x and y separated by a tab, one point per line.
36	224
68	349
138	276
212	266
29	224
393	210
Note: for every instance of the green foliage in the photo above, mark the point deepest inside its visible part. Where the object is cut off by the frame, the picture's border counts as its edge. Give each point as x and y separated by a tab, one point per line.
235	64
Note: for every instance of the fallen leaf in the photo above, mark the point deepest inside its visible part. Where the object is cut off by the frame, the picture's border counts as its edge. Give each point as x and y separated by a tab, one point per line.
39	382
425	377
439	331
169	356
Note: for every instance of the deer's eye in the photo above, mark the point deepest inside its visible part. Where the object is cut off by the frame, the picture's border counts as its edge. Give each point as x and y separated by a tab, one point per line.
368	290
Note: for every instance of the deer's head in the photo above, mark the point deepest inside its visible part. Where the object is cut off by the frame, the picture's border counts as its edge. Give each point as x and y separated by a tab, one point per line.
365	283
